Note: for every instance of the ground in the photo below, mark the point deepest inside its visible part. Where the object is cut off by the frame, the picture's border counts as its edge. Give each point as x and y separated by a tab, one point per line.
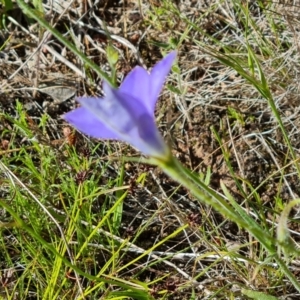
213	112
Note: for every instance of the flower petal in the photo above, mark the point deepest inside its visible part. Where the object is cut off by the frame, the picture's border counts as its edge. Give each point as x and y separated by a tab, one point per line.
158	75
128	118
137	84
86	122
144	137
117	110
147	132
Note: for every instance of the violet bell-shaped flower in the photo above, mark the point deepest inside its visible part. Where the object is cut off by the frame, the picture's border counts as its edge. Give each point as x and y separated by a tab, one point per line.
127	114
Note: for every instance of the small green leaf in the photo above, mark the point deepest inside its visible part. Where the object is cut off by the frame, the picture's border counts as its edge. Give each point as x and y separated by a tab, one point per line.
142	179
112	55
8	5
176	69
174	42
234	114
38	5
173	89
257	295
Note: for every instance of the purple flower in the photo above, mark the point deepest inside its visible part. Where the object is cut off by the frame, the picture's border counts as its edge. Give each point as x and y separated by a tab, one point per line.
127	113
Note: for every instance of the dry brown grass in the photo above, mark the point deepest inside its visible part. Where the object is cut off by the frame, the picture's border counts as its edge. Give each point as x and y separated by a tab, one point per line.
212	258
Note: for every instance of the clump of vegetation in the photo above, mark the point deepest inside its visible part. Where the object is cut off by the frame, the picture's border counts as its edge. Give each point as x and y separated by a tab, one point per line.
87	219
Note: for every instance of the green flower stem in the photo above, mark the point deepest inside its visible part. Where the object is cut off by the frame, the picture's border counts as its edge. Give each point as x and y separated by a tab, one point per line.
202	192
35	14
176	171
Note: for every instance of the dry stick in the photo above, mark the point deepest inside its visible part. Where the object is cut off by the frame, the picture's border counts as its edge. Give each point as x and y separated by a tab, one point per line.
115	37
31	55
132	246
52	51
292	195
35	15
141	250
182	256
